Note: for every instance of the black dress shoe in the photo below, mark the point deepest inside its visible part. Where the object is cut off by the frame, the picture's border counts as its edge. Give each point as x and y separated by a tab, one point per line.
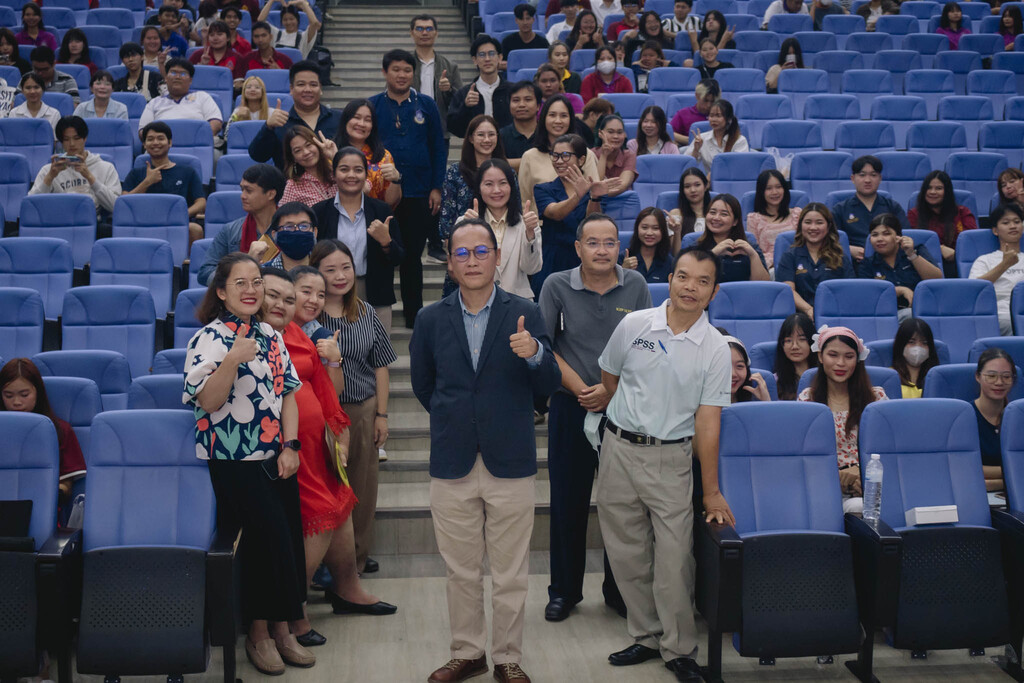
558	609
685	669
311	639
343	606
370	566
634	654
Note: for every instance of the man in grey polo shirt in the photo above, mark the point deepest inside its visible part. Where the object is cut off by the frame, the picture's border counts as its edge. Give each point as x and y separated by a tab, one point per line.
581	308
668	373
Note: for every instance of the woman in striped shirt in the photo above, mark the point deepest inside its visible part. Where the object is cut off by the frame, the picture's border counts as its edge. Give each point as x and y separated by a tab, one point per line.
307	163
366	353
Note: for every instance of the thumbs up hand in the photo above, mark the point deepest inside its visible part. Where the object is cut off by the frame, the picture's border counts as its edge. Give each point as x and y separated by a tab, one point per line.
444	85
278	117
381	231
629	262
472	97
474	212
530	220
522	342
329	350
242	349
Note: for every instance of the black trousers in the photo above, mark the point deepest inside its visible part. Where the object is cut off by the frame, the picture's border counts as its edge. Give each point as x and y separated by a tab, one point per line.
414	224
572	464
271	557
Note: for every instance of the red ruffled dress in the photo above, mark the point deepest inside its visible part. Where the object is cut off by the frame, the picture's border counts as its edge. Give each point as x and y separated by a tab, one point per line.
325	502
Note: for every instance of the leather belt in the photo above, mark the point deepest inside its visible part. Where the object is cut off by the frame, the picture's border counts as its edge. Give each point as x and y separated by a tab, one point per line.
641	439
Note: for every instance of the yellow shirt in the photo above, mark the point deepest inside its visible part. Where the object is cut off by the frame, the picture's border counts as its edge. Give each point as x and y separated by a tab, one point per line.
910	391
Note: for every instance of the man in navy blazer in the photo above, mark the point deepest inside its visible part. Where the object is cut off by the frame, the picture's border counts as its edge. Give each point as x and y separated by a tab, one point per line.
479	357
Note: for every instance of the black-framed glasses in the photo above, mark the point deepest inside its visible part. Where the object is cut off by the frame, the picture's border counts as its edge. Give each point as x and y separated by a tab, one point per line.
292	227
564	156
481	252
485	54
424	29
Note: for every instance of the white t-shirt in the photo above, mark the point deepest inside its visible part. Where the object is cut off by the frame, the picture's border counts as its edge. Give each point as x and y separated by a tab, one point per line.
486	91
427	77
665	377
556	30
1004	285
45	112
303	40
197	106
710	149
601	11
778	7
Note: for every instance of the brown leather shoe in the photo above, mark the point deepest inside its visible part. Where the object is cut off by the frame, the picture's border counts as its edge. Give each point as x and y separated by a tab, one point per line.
459	670
294	654
510	673
264	656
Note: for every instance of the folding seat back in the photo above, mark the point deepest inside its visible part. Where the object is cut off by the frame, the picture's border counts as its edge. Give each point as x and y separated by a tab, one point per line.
10	74
828	111
836	63
813	42
107	369
628	105
724	6
136	103
120	18
217	82
927	44
959	311
113	317
29	469
499	23
752	311
868	307
1013	62
737	171
799	84
156	216
904	172
868	44
185	322
858	138
71	217
678	101
40	263
240	134
659	292
787	24
977	172
664	81
900	111
157	392
657	173
230	168
668	200
921	9
896	25
137	261
923	239
843	26
932	85
884	377
762	355
867	85
1011	437
960	63
76	400
169	362
985	44
196	139
1012	345
196	258
1017	308
61	18
60	101
792	136
584	57
755	41
517	59
996	85
275	81
898	63
21	322
1003	137
112	137
737	82
970	110
742	22
225	206
970	244
31	138
104	37
881	353
937	140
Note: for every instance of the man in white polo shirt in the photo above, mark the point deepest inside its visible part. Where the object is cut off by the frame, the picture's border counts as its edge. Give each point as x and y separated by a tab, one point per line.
668	372
179	103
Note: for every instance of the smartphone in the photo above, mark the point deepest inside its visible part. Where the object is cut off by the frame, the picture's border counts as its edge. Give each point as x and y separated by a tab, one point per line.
790	59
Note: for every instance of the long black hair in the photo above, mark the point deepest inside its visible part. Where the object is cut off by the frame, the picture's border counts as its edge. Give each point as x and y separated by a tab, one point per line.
907	329
64	54
944	19
794	45
540	134
761	204
736	232
660	120
664	246
1018	24
689	217
858	386
515	202
947	211
373	140
467	162
741	395
785	371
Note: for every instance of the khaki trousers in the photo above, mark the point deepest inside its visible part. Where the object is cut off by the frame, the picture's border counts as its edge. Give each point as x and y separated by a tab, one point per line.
471	514
363	468
646	513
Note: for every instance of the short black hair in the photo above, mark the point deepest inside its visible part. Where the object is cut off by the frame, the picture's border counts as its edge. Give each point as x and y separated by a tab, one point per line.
267	177
569	3
397	55
422	17
1005	208
261	26
522	9
349	151
157	127
685	2
526	85
467	222
183	63
594	218
288	209
888	220
129	49
700	255
42	54
481	40
77	123
232	8
868	159
299	67
273	271
218	26
102	74
164	9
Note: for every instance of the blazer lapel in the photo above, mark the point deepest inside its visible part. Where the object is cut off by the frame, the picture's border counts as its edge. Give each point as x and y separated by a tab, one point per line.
499	309
458	326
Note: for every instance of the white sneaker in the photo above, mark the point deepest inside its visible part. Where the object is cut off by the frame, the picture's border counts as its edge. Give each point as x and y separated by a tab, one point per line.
382	455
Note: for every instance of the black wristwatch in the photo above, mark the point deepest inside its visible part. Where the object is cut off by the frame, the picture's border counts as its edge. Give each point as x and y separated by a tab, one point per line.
294	444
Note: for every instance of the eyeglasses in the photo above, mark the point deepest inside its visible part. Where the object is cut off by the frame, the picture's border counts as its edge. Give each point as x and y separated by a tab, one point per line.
488	54
424	29
243	284
481	252
293	227
595	244
177	74
993	377
564	156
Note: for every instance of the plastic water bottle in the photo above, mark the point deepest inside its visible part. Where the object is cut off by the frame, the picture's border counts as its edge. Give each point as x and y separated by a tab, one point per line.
873	489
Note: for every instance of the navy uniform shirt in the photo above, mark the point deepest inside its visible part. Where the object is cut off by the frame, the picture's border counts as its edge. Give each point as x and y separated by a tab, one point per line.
797	266
411	130
854	218
902	274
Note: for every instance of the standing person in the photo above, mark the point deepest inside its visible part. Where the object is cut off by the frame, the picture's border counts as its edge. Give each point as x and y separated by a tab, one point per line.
482	477
662	400
524	38
307	159
581	308
488	94
524	105
136	78
367	353
435	76
33	31
853	215
772	213
1003	267
937	210
816	256
651	245
358	128
238	376
411	130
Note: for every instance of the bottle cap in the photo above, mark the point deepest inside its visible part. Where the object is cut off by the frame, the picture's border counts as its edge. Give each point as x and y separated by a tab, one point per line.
876	456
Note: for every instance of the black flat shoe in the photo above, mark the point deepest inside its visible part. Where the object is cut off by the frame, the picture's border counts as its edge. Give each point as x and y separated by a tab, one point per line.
634	654
558	609
343	606
311	639
370	566
685	669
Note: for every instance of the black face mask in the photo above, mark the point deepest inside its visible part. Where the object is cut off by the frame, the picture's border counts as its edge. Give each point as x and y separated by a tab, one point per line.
295	244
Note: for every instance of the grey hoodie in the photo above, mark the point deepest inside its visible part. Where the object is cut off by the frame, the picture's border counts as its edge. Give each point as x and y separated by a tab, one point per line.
104	191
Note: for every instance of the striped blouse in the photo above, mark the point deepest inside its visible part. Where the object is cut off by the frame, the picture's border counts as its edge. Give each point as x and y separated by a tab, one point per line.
365	346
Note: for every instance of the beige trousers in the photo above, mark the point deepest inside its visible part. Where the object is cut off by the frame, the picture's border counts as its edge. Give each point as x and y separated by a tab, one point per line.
645	509
471	514
363	468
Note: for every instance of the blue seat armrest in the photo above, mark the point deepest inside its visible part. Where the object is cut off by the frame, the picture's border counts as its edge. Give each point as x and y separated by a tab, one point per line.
719	575
877	554
222	602
1009	523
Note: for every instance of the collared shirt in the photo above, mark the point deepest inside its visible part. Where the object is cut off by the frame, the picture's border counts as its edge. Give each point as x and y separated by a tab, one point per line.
710	149
476	329
901	274
797	266
854	218
486	91
665	377
658	272
196	105
427	77
514	142
352	231
115	110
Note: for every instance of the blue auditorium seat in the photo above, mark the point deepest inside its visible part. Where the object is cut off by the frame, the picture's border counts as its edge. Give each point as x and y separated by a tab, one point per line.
1012	439
867	85
928	239
813	42
762	355
184	159
120	18
755	41
657	173
777	468
898	63
629	105
275	81
958	380
937	140
738	82
150	541
742	22
881	352
138	261
858	138
927	45
112	137
157	392
836	63
60	18
240	134
896	25
659	292
217	82
40	263
785	23
995	85
960	63
225	206
799	84
868	307
977	172
118	318
1017	308
791	136
108	369
520	59
31	138
868	44
21	322
932	85
71	217
14	184
621	70
900	111
582	58
622	208
185	322
1012	345
884	377
499	22
230	168
959	311
169	362
104	37
970	244
985	44
60	101
828	111
77	401
195	138
1003	137
736	172
970	110
843	26
903	173
770	383
1013	62
196	258
678	101
752	311
664	81
922	10
668	200
157	216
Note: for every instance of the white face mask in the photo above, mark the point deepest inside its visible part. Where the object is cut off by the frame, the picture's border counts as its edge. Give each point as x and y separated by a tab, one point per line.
915	355
826	3
606	67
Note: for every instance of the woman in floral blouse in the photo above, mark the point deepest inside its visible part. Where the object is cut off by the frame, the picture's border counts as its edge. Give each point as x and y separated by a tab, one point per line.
241	383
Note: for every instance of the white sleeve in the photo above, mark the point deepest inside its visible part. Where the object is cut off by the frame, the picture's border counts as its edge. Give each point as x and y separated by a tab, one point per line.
148	114
981	265
717	379
614	355
211	110
107	188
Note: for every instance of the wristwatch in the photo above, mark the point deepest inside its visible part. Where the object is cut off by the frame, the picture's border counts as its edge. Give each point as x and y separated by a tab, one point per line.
293	444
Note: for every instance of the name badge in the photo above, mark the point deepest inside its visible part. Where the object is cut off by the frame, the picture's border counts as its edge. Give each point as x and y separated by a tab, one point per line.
800	270
851	218
418	117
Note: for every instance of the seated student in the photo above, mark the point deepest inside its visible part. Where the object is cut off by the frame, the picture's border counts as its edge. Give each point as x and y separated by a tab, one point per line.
717	29
614	158
524	105
938	211
648	35
694	200
22	390
745	386
709	64
33	31
996	375
74	49
163	176
651	57
32	87
153	51
1011	187
548	78
9	55
816	256
232	16
897	260
876	8
1010	26
783	7
913	355
723	137
262	186
263	55
952	24
790	57
772	213
253	105
172	40
138	79
293	230
592	113
793	355
307	164
217	51
586	34
489	93
604	78
1003	267
853	215
617	29
181	102
651	246
184	18
54	80
823	8
842	383
289	34
558	57
652	136
725	237
570	8
102	106
681	20
525	38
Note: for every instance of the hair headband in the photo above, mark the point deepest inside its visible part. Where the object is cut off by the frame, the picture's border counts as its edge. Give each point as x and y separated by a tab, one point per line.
825	333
